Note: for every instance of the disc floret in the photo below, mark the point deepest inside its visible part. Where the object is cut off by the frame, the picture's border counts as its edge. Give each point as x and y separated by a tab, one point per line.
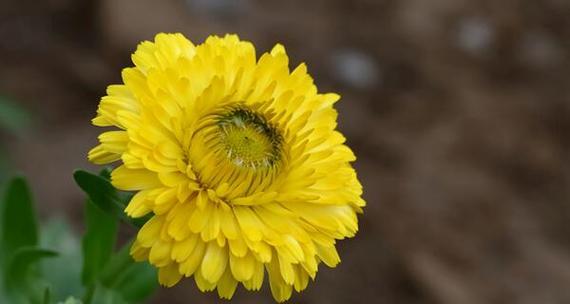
248	139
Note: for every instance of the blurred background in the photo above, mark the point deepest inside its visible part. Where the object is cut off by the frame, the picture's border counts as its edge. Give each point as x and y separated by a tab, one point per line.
458	111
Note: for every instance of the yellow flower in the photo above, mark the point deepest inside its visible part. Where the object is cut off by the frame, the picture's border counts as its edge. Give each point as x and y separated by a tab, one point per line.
238	161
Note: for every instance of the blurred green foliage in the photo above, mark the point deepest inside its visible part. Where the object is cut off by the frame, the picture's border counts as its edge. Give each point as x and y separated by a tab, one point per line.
13	117
57	235
19	252
15	120
98	242
54	266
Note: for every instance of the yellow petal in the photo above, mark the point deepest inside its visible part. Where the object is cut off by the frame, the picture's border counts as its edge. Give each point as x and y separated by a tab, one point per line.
257	279
134	179
168	276
181	250
101	156
178	227
150	232
227	285
203	284
160	254
192	263
328	255
280	290
119	98
212	227
238	246
249	223
214	262
287	270
228	224
114	141
294	248
138	205
138	252
301	279
200	218
261	250
242	267
172	179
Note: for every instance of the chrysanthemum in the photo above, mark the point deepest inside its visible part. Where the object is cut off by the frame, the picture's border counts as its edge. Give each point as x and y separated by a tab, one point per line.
238	161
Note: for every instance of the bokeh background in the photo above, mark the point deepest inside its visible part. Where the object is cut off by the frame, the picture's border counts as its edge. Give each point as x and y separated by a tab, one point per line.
458	111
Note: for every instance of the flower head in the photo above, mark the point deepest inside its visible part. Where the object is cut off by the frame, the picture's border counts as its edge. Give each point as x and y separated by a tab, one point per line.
238	161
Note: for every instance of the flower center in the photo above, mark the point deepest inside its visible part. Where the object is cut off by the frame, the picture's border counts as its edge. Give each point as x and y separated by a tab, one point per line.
237	147
248	139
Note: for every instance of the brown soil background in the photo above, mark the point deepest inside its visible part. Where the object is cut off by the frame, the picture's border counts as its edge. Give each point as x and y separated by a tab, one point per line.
458	111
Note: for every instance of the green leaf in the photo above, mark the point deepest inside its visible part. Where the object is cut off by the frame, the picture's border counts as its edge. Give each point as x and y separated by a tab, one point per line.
120	261
47	296
23	259
105	196
106	173
119	279
13	117
138	282
100	191
63	272
19	228
132	280
107	296
18	271
71	300
98	242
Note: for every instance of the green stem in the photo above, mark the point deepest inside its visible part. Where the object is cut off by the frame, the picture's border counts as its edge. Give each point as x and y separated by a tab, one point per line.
89	294
113	271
